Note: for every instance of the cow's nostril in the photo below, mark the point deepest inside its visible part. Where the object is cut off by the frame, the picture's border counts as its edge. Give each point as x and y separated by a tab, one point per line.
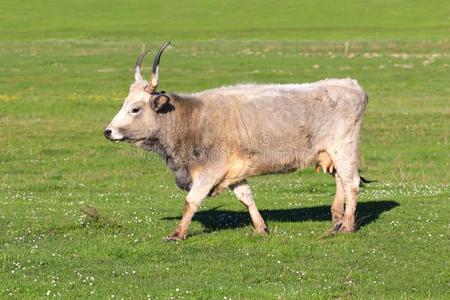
107	133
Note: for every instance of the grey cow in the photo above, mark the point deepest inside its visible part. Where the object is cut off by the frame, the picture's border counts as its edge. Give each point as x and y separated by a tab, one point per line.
215	139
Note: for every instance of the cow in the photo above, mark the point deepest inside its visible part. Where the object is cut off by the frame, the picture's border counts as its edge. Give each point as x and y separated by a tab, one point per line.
215	139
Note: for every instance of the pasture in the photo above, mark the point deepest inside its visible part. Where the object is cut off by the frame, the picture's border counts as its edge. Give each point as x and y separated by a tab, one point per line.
81	217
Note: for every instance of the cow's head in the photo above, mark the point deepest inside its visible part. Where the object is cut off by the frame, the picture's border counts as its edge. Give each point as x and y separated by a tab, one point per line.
137	119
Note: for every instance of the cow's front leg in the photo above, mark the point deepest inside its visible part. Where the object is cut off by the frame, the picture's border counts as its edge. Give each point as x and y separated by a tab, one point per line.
200	189
244	194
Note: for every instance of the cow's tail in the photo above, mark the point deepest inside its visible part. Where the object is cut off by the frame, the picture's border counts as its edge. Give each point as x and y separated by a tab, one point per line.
363	181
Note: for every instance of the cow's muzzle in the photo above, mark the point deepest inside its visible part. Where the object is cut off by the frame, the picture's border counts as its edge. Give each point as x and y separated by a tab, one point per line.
113	135
107	133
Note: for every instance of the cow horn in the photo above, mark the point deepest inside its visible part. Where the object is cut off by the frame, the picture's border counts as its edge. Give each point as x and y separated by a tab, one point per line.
155	70
138	68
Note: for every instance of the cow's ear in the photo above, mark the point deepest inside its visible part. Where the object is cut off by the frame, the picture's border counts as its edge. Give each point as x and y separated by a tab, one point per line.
161	103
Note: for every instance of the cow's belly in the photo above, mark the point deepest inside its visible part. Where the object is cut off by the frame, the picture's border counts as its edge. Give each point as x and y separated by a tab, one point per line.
263	163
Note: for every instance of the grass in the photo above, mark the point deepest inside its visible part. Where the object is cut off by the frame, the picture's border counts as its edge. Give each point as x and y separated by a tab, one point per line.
81	217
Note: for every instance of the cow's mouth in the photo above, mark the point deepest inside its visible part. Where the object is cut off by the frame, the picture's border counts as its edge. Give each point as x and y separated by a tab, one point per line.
116	140
126	140
132	141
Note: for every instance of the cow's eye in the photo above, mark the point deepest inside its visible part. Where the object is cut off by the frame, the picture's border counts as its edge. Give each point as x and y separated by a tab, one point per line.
135	110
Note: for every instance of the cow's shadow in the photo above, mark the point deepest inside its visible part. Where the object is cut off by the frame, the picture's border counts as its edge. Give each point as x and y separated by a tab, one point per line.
216	219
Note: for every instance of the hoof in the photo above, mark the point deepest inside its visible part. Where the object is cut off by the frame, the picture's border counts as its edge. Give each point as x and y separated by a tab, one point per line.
337	227
171	239
176	236
264	231
345	228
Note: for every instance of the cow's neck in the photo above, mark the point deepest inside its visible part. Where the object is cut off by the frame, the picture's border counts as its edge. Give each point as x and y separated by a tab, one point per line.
172	141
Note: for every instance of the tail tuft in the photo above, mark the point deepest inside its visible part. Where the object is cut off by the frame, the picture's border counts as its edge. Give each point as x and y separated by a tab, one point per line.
363	181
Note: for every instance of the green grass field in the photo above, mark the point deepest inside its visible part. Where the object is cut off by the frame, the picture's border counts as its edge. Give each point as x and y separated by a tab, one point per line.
82	217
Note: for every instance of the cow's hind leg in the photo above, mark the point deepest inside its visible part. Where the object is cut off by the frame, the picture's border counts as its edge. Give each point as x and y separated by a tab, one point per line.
337	208
347	164
244	194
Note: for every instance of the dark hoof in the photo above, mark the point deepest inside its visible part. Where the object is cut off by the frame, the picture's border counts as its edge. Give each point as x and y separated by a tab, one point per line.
337	227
